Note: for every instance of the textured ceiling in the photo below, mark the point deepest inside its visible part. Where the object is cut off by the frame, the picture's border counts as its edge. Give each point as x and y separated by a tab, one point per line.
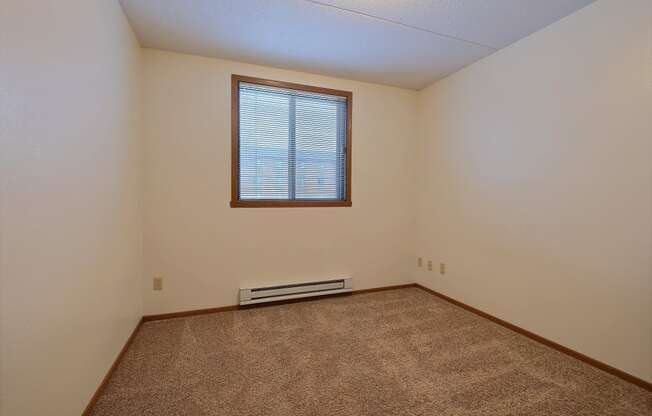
405	43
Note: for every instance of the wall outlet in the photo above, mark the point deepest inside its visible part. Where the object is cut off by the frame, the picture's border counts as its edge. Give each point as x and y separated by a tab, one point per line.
419	261
442	268
158	283
430	265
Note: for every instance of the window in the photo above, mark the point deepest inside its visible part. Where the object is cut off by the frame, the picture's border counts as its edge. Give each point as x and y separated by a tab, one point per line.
291	145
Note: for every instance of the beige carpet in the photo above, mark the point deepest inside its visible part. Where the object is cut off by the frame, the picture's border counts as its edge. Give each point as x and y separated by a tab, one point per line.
398	352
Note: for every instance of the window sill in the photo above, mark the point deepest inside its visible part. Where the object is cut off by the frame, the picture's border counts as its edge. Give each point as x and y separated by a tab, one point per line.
289	204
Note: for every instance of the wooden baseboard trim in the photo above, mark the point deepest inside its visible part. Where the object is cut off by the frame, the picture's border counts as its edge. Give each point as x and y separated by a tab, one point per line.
382	288
171	315
89	408
577	355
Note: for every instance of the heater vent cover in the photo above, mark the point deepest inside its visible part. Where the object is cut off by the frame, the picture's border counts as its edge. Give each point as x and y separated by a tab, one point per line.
250	296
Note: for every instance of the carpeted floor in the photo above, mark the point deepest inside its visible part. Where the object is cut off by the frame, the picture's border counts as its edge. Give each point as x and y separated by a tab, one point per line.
397	352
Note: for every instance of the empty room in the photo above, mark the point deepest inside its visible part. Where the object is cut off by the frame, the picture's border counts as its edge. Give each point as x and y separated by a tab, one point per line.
326	207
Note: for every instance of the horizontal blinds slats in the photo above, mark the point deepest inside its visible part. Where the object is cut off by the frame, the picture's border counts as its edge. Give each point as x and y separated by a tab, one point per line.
276	91
291	144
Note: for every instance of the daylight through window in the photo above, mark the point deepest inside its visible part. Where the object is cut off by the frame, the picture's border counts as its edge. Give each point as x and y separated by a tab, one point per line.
292	144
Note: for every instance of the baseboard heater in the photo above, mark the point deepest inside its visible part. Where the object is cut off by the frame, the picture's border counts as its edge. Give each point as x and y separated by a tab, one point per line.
295	291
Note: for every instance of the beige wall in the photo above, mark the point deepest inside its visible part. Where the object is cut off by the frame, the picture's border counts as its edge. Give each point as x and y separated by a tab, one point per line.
537	183
70	222
533	184
206	250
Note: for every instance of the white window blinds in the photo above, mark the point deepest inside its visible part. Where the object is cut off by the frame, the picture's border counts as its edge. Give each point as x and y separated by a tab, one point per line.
291	143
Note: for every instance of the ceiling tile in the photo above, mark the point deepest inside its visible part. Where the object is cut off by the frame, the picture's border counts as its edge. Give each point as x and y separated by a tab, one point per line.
302	36
494	23
405	43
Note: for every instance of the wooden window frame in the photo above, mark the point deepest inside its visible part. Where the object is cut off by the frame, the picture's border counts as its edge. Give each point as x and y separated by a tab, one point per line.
235	146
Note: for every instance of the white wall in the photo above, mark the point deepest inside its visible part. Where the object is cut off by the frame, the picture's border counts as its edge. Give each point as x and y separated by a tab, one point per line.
537	183
70	190
205	250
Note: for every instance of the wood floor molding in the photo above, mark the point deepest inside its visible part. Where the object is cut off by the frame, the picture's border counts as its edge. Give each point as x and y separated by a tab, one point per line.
107	377
379	289
171	315
577	355
181	314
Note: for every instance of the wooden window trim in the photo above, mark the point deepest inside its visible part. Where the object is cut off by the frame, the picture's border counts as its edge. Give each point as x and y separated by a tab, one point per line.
235	145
